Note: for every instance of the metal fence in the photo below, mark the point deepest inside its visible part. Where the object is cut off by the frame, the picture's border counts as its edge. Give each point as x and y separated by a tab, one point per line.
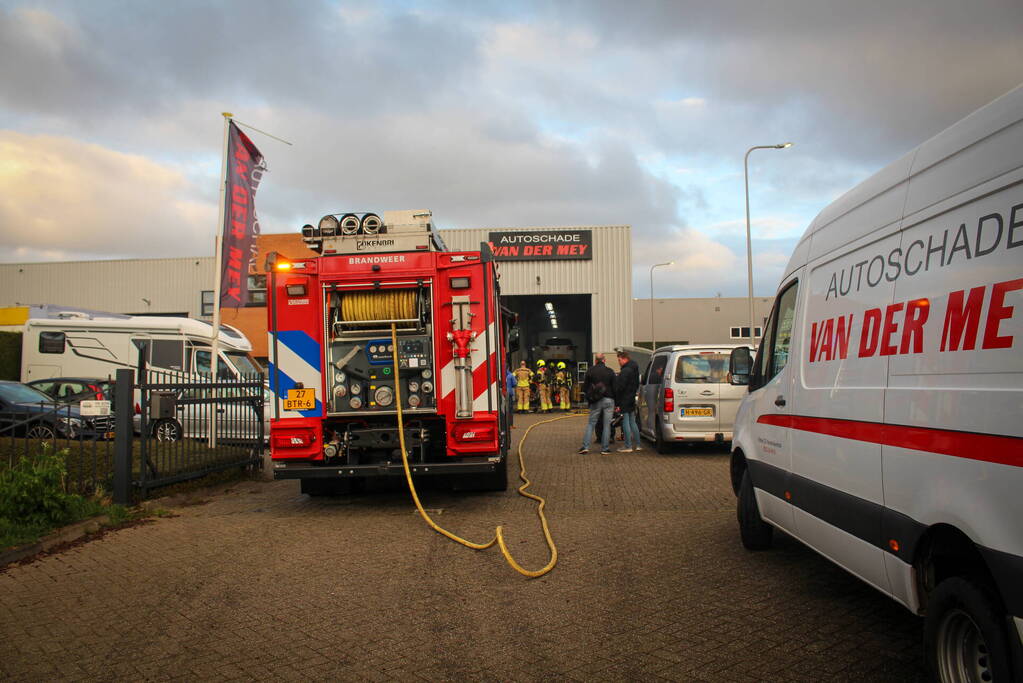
86	442
165	428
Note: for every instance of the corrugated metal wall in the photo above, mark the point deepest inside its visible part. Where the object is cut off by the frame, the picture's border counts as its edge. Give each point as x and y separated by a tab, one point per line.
607	277
171	285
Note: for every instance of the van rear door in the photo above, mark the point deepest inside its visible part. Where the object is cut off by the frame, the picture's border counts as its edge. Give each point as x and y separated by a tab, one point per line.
697	379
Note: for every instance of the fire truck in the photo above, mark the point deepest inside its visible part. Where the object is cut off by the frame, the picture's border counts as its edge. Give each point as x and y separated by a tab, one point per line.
385	319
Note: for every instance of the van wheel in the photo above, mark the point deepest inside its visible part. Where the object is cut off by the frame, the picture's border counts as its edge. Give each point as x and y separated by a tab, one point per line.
660	445
964	634
167	430
756	534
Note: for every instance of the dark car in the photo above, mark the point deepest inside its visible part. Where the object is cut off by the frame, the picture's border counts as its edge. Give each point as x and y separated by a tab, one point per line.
75	389
25	411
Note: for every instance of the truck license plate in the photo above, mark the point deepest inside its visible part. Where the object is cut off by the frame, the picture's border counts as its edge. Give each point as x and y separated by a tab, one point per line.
697	412
300	399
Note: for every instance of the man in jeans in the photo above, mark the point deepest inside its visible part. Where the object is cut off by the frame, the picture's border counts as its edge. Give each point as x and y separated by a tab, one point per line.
599	390
626	386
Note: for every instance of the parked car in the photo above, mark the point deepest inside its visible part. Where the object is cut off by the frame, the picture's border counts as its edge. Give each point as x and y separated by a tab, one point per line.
75	389
235	417
25	411
685	395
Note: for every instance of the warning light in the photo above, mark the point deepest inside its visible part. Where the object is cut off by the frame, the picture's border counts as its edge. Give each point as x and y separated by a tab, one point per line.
788	495
282	265
894	545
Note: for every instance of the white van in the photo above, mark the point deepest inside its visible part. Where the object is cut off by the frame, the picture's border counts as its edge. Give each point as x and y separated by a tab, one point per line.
79	344
884	421
685	395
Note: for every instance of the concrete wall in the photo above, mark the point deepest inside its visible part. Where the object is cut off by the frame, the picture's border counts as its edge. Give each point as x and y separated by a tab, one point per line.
696	320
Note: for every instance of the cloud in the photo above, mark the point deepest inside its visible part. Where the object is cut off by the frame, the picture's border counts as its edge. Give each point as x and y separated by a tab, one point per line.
61	199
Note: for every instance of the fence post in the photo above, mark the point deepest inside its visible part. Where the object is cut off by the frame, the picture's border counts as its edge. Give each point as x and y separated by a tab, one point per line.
123	435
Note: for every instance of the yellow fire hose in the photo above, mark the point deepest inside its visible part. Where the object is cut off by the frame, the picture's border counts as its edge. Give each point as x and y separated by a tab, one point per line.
499	536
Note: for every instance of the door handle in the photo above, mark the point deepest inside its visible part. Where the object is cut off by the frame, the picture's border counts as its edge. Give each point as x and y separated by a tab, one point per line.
780	401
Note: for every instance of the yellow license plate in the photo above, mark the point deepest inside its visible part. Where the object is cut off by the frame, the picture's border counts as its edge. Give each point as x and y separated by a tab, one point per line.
697	412
300	399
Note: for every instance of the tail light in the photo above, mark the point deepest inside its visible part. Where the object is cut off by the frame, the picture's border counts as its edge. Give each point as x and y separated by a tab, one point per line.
669	400
294	439
138	409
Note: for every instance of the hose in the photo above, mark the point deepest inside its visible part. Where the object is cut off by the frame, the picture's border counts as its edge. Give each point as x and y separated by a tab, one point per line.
389	304
499	535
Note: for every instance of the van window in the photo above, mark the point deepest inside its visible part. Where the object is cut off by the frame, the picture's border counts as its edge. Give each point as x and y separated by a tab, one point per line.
656	372
166	353
781	332
51	342
202	365
702	368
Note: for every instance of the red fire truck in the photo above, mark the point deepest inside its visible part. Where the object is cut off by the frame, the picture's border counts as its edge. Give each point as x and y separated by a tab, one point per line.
380	288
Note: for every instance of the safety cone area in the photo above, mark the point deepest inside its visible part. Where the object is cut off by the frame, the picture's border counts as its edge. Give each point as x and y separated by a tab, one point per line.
651	582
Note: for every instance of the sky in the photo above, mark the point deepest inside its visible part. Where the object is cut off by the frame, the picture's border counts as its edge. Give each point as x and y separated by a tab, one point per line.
491	114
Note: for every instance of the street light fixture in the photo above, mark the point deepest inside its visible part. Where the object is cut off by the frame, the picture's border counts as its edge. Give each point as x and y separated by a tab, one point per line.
749	241
653	342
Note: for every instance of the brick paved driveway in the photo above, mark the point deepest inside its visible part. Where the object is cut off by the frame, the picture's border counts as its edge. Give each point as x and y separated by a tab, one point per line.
262	582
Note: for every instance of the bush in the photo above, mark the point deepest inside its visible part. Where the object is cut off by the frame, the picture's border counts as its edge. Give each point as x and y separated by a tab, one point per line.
33	493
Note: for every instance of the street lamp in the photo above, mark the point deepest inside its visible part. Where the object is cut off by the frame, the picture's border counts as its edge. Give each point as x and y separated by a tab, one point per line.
653	342
749	241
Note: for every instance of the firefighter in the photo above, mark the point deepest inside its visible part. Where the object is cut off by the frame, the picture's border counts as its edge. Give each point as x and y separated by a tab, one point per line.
543	385
522	376
563	382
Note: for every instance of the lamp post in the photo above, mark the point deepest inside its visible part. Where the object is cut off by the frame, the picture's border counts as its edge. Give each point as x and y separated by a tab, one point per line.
653	342
749	241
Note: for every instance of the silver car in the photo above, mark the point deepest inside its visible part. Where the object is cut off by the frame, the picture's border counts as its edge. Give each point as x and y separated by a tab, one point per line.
685	395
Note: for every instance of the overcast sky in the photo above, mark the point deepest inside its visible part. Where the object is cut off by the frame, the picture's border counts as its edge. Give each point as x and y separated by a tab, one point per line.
492	114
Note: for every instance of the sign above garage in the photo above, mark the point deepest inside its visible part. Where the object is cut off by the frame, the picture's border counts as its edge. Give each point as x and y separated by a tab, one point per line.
542	245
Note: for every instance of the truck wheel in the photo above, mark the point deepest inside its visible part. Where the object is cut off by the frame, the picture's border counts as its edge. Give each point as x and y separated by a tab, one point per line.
660	445
964	634
756	534
166	430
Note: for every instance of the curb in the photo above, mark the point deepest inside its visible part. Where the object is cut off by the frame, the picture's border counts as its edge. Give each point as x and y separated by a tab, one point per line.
67	534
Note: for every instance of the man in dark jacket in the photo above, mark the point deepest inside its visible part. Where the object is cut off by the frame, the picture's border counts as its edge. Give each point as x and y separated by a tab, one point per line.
599	390
626	386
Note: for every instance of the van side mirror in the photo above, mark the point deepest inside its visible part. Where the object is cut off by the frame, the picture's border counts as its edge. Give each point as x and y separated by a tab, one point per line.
740	365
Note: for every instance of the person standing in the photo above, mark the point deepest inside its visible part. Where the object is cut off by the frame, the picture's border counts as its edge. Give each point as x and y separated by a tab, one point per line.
599	390
543	385
563	382
522	376
509	383
626	386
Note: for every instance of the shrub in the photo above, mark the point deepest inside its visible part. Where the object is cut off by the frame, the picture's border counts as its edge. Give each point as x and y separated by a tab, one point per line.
33	493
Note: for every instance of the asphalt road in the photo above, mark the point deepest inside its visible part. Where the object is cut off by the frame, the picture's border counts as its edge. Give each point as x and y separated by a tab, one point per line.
259	581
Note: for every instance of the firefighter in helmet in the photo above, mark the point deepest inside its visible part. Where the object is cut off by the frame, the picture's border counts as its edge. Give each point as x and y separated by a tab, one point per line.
563	382
542	377
522	376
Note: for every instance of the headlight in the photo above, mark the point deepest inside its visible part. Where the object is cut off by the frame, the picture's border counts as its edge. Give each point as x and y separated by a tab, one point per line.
69	425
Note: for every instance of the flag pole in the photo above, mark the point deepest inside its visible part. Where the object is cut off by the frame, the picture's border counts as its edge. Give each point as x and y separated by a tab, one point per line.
217	275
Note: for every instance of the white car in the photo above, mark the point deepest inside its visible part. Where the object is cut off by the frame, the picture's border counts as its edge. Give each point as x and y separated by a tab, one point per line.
685	395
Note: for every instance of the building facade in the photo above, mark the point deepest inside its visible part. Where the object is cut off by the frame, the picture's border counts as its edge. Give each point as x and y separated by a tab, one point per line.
708	320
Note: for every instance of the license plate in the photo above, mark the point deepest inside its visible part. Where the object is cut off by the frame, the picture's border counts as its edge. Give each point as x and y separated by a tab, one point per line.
697	412
108	435
300	399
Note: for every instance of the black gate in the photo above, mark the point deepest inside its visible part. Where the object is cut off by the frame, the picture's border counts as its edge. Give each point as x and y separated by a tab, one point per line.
185	426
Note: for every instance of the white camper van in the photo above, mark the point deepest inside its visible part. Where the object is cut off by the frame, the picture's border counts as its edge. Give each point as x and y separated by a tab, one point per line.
883	426
96	345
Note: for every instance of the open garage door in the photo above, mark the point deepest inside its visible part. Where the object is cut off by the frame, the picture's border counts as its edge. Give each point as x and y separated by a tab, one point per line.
552	327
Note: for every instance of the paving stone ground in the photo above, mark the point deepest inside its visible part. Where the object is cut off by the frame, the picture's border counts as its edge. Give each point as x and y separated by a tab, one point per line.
261	582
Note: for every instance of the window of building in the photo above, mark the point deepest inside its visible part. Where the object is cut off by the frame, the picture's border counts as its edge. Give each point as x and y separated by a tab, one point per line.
207	304
257	290
51	342
743	332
